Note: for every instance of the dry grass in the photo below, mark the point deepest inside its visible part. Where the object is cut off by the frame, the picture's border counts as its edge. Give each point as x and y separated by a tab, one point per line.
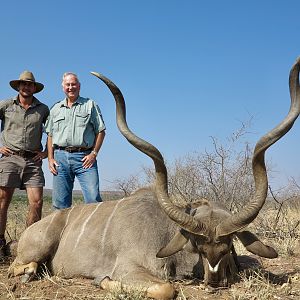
264	280
281	227
257	284
122	294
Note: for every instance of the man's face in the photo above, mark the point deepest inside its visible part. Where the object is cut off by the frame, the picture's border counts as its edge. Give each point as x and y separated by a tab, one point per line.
71	87
26	89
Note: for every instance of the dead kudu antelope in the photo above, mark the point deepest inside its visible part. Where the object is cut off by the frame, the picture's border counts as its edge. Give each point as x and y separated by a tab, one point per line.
140	240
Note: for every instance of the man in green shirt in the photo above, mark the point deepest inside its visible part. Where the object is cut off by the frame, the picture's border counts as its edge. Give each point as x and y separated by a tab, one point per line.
76	132
22	119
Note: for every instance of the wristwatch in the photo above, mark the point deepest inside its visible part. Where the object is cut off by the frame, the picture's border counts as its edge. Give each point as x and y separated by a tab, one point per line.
94	152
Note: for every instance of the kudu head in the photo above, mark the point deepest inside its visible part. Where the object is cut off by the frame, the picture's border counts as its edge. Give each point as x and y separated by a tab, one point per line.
206	230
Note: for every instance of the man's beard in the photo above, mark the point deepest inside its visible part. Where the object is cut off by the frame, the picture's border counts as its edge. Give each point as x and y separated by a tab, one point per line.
27	96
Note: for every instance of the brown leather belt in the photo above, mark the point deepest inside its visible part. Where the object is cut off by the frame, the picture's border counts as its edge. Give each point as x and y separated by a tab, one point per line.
25	153
71	149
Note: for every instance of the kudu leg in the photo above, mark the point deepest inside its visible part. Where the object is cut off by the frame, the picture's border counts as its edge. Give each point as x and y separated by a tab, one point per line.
27	270
152	286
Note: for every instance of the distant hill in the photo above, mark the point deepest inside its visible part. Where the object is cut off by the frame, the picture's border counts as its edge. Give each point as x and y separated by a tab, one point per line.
106	195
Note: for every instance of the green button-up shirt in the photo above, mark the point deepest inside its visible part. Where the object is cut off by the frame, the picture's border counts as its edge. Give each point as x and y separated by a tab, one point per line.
75	126
22	129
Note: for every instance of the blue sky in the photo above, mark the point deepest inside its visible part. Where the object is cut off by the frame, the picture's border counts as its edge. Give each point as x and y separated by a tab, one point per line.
188	69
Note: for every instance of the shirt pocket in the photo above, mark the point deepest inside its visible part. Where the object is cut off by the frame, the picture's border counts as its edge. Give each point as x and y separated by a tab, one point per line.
82	119
58	123
34	118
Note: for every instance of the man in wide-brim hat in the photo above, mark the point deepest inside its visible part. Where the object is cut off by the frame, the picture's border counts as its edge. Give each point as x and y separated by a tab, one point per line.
23	118
26	76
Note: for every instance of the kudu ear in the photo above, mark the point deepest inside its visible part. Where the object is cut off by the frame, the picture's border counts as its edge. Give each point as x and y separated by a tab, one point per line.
176	244
254	245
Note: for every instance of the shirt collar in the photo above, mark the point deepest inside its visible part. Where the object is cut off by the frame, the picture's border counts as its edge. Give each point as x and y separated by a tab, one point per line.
35	101
78	101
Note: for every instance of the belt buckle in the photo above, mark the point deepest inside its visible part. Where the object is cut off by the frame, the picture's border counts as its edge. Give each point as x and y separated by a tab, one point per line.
70	149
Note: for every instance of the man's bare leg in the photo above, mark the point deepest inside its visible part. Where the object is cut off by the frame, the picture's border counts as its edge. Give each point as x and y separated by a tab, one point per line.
5	199
35	201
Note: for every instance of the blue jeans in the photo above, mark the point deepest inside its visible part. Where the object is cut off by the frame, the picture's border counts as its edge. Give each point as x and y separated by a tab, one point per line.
69	166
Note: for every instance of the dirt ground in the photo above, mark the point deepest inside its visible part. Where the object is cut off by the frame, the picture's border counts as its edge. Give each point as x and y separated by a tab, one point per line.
279	279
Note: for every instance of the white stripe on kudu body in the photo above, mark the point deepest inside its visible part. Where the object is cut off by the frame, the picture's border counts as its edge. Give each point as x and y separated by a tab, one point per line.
67	221
50	223
84	225
108	223
114	267
73	223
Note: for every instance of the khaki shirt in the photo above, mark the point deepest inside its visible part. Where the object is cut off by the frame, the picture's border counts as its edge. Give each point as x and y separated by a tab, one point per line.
22	129
75	126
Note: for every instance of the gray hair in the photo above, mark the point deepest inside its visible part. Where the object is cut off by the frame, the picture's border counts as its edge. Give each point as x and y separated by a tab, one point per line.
70	73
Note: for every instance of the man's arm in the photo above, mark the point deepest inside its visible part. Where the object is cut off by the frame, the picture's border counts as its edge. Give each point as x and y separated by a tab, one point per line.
89	159
98	142
51	161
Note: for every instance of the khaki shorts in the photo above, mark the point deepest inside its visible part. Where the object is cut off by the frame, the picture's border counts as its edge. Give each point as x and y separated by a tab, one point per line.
19	172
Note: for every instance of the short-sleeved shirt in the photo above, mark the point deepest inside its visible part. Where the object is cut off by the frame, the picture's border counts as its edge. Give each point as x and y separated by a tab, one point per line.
75	126
22	129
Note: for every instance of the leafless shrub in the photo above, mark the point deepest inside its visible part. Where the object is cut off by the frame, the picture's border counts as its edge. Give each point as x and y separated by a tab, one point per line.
280	221
127	185
223	174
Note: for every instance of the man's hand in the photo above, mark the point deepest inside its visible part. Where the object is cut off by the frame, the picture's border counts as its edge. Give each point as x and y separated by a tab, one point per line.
52	165
88	160
6	151
40	155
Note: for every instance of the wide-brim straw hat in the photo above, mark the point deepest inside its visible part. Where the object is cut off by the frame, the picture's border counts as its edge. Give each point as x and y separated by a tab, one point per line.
26	76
